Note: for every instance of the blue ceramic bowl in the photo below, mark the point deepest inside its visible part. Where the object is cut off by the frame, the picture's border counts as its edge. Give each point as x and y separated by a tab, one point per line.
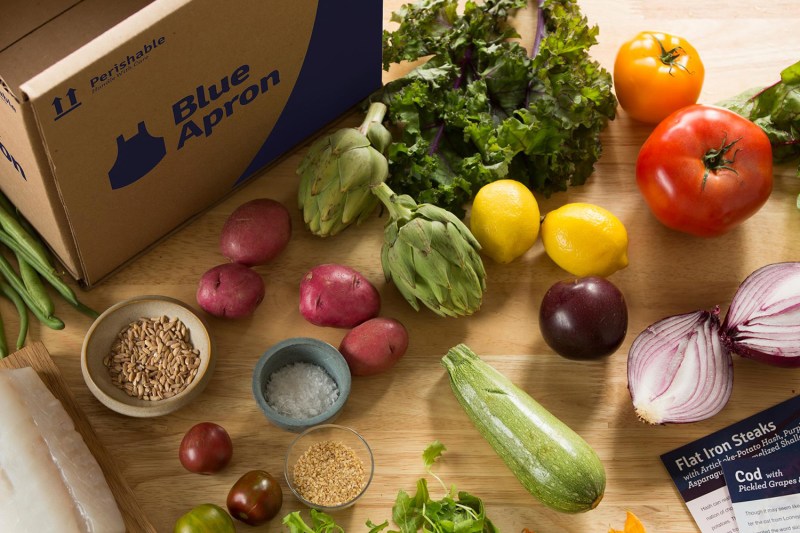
305	350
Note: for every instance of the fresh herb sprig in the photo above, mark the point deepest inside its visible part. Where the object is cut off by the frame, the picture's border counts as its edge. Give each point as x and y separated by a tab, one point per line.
456	511
483	107
320	523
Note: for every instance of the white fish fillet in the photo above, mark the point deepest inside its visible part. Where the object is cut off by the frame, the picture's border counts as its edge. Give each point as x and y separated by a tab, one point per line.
49	480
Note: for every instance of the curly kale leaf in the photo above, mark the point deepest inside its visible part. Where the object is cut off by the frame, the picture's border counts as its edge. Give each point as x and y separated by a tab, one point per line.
483	107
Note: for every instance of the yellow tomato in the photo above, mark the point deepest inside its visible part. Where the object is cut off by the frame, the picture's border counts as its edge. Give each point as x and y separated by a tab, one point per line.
655	74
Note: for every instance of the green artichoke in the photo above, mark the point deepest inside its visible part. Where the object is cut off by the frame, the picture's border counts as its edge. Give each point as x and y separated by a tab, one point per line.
338	171
431	256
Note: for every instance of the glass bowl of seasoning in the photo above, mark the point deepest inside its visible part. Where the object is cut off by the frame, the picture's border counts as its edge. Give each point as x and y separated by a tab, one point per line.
329	467
301	382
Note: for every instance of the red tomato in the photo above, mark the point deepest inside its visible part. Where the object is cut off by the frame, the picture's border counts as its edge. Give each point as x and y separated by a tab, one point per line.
656	74
206	448
255	498
704	170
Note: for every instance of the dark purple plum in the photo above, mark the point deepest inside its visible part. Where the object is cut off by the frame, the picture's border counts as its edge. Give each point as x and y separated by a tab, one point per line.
583	318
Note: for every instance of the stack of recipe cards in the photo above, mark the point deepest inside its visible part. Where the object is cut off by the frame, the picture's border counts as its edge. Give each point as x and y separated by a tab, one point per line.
746	477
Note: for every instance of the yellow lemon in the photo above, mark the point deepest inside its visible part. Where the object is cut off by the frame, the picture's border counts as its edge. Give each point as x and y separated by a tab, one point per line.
585	240
505	219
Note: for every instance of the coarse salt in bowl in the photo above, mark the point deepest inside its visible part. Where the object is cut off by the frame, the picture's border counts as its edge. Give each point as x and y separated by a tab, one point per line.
329	467
301	382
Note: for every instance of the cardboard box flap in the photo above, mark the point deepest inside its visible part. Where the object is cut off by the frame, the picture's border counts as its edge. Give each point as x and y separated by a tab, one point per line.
122	20
28	16
61	36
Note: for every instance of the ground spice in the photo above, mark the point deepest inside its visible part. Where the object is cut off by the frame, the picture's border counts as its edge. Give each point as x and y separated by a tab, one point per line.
329	473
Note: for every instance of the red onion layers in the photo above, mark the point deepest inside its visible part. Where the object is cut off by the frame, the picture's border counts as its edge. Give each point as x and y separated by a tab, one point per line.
763	321
680	368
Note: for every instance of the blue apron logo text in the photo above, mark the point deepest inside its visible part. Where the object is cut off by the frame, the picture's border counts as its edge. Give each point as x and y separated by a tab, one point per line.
12	160
184	110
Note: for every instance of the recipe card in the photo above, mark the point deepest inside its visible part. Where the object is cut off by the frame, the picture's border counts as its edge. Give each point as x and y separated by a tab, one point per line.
765	491
696	468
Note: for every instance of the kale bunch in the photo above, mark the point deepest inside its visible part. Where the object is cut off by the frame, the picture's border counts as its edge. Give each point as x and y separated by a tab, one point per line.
483	107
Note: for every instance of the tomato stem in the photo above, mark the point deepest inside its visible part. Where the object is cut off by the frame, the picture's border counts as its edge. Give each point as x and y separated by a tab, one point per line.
715	160
670	57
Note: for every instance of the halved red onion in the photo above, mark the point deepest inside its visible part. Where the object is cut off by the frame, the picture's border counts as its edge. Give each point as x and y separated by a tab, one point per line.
679	370
763	321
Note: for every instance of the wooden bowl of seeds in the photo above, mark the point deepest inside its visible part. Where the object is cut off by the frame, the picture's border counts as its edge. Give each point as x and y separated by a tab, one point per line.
147	356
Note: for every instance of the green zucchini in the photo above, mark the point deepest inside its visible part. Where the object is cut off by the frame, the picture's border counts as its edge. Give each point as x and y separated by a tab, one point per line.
551	461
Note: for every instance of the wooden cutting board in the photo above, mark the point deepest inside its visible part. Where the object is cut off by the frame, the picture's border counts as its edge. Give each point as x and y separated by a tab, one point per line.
36	356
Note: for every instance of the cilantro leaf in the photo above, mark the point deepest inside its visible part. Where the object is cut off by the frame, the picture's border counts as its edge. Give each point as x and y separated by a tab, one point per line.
320	523
431	453
377	528
483	107
456	512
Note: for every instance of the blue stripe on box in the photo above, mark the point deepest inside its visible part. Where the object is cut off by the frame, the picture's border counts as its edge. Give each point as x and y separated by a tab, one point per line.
342	66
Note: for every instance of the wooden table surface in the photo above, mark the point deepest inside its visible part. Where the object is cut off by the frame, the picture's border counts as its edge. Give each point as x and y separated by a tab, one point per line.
400	412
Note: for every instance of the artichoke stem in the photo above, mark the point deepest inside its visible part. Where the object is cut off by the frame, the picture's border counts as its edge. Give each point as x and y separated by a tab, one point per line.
375	113
397	211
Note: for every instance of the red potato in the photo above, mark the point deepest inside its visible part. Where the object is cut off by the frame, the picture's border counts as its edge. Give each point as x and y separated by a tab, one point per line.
230	290
337	296
256	232
374	346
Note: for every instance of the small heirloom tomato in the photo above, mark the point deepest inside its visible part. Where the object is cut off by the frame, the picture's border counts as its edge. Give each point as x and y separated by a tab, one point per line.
206	448
704	169
656	74
255	498
206	518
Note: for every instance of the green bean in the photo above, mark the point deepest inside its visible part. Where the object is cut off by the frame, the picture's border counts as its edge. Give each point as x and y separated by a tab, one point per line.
6	204
48	273
9	292
22	239
14	280
30	277
11	225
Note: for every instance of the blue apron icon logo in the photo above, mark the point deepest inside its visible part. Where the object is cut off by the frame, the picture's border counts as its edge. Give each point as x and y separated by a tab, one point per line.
136	157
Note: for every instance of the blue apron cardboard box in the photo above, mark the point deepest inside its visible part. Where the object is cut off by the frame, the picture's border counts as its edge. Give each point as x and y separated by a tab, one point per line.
120	121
